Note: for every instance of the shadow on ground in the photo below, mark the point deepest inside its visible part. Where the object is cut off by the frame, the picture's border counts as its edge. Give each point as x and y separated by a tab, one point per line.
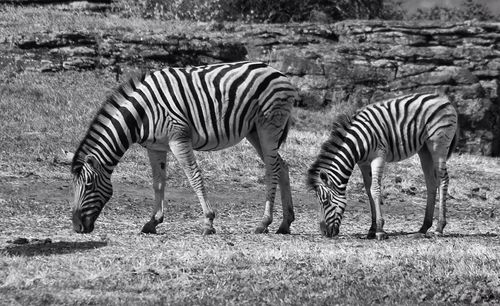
45	249
402	234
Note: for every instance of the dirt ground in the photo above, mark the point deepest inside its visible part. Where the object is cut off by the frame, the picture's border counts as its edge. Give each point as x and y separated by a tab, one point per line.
43	261
38	207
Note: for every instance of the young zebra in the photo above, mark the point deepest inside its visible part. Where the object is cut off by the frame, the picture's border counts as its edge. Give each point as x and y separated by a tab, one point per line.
180	110
387	131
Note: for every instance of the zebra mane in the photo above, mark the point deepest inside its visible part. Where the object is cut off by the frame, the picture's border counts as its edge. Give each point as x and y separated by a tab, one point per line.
340	125
339	128
118	93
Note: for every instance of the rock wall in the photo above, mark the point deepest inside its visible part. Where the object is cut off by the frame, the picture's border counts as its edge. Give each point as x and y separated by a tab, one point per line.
348	62
51	52
365	61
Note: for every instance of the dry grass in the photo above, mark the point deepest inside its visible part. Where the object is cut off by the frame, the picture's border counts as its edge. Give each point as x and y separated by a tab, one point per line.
24	20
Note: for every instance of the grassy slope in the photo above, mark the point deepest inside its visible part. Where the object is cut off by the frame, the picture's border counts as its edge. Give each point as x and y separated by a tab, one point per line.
40	114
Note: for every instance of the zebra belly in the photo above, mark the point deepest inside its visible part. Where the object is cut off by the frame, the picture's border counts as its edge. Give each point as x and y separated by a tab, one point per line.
391	153
158	145
214	144
198	143
399	153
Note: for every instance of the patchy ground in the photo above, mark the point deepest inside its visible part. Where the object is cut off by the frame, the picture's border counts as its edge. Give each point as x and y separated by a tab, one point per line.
33	204
42	261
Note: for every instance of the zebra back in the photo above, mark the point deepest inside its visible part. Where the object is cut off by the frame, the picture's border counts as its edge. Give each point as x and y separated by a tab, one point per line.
214	105
399	127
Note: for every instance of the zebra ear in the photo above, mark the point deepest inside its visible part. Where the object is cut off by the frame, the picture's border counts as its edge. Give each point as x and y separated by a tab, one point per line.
324	177
92	161
68	156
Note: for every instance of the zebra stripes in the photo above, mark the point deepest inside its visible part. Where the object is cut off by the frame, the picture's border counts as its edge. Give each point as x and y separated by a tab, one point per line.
94	188
387	131
179	110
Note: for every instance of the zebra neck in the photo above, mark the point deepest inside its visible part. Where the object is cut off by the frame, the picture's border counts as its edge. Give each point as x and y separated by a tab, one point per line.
341	170
106	148
343	160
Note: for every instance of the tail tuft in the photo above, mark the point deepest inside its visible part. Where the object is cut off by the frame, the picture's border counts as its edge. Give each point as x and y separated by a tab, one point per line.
453	144
284	135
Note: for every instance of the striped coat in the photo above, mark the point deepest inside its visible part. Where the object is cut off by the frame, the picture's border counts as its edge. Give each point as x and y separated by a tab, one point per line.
179	110
387	131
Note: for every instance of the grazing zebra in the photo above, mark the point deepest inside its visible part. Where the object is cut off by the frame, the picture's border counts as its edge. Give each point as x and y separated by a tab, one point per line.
387	131
180	110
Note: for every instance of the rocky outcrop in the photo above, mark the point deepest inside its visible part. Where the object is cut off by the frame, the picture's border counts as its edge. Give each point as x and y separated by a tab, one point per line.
365	61
50	52
69	5
348	62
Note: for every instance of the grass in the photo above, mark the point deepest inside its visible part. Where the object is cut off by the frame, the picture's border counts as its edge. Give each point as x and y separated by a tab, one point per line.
229	270
42	261
16	21
116	265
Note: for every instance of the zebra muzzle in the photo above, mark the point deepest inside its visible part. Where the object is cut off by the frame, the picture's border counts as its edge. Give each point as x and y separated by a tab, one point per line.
83	226
328	230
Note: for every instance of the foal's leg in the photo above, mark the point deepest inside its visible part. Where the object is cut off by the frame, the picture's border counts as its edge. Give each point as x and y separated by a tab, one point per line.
377	168
439	150
431	182
286	195
157	159
183	151
366	171
443	194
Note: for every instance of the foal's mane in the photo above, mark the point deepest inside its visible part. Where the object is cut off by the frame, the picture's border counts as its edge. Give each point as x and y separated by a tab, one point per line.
339	128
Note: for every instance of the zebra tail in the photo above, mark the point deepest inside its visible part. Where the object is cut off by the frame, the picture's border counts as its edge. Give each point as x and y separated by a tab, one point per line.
284	135
454	142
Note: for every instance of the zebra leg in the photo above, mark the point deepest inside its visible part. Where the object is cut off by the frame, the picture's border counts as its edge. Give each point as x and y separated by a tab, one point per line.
438	149
366	171
286	198
286	194
272	164
443	193
183	152
431	184
377	168
157	159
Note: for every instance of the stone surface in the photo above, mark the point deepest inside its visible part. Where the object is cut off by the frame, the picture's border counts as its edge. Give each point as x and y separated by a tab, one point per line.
351	61
365	61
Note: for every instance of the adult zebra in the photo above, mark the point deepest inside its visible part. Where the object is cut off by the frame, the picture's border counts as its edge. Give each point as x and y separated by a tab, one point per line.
181	110
387	131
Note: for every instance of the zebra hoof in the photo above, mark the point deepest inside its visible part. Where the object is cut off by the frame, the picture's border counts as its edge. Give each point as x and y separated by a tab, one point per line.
370	235
208	231
284	231
149	228
417	235
433	234
261	230
381	236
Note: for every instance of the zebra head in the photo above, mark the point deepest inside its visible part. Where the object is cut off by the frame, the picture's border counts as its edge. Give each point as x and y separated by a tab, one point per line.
92	189
332	201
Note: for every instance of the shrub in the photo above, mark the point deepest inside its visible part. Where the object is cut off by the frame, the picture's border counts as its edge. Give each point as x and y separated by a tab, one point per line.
470	9
281	11
254	10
